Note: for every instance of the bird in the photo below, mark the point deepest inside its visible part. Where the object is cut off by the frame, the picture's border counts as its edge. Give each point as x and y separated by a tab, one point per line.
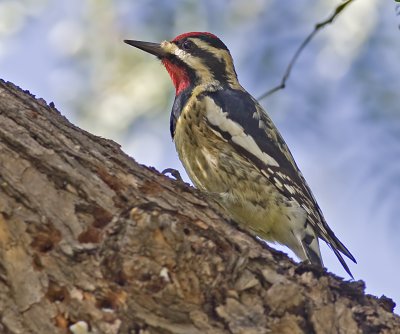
231	149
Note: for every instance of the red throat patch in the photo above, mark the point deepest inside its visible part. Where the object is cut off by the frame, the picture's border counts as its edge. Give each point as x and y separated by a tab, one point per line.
179	76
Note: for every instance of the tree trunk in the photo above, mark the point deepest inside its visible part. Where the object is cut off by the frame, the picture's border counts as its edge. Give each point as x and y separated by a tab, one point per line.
92	242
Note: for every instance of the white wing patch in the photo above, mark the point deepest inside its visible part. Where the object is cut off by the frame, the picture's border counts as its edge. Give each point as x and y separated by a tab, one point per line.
290	189
219	119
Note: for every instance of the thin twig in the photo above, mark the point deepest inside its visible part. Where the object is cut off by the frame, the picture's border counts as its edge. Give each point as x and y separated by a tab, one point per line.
317	27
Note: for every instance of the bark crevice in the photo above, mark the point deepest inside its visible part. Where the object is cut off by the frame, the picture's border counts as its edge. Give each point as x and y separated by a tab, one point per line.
88	237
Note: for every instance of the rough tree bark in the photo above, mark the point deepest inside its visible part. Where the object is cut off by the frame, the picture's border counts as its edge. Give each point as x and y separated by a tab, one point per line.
89	238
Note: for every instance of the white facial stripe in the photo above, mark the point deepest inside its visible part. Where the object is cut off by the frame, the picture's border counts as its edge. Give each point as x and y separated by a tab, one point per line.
175	50
221	55
180	53
170	47
193	62
202	71
219	119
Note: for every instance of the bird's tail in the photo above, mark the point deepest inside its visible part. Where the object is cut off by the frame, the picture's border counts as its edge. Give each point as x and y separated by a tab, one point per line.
336	245
310	247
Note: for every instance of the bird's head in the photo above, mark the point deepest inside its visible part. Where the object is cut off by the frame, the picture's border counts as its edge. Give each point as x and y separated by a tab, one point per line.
193	59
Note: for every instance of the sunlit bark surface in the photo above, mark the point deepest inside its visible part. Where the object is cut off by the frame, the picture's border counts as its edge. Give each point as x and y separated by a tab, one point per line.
92	242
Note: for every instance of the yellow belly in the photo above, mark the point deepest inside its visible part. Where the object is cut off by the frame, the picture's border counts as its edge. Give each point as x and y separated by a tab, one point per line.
214	166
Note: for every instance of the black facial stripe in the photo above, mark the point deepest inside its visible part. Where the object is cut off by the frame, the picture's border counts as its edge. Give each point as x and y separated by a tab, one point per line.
216	66
216	43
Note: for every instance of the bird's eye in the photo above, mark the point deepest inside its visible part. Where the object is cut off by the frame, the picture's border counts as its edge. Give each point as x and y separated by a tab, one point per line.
187	45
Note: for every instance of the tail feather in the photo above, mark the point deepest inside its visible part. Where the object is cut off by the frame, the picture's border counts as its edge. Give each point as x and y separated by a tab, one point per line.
337	244
306	245
337	247
310	247
341	260
311	252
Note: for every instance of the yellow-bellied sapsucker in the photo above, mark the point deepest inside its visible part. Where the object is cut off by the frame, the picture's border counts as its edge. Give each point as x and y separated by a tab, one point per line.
230	147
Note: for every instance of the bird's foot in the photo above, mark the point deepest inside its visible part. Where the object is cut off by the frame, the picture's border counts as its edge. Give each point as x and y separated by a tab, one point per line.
175	173
306	266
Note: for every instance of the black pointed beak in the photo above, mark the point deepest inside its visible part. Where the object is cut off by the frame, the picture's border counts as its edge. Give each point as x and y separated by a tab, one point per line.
153	48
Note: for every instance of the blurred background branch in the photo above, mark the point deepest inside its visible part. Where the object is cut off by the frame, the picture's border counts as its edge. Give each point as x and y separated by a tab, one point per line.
307	40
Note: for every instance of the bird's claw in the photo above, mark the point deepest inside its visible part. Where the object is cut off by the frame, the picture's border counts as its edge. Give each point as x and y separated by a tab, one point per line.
175	173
